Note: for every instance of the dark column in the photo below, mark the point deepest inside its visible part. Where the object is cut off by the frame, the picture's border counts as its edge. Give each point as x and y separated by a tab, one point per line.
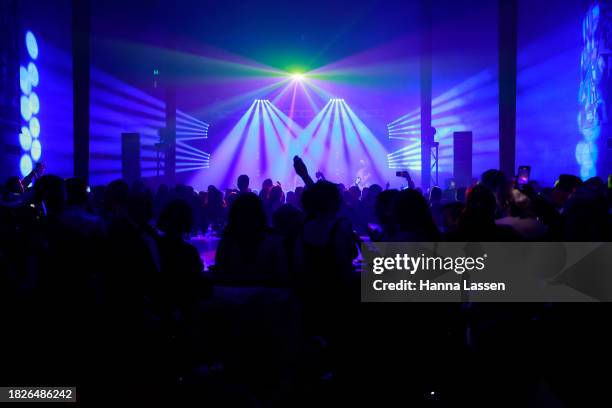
507	85
10	38
168	78
425	71
81	50
170	152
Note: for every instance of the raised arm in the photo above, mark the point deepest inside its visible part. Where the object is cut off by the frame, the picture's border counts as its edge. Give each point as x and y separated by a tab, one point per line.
36	172
302	171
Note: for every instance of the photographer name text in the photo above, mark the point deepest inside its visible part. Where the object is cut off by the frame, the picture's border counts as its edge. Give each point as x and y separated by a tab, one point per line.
413	264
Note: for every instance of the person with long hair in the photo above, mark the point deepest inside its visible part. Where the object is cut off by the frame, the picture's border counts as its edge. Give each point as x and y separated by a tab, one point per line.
249	253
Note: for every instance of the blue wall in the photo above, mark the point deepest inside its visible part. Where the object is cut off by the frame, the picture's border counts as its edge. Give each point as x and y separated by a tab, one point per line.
465	82
550	44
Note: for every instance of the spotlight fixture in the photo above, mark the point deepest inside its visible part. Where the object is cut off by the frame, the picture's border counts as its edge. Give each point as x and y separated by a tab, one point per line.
29	104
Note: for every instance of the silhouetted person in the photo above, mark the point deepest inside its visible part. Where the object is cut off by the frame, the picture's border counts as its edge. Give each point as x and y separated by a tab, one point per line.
77	214
243	183
386	213
355	193
276	198
414	218
451	212
50	193
325	251
564	187
129	269
265	189
182	280
497	182
365	207
586	217
248	253
435	203
161	199
522	218
477	222
214	210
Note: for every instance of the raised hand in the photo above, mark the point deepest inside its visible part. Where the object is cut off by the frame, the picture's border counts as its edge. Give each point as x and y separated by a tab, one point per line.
301	170
299	166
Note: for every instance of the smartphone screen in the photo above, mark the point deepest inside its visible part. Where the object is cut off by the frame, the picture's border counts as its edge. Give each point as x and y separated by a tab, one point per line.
523	175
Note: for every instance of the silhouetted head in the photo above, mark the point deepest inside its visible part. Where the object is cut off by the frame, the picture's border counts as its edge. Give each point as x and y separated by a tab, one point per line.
385	207
50	190
267	184
230	197
291	198
203	197
246	218
477	221
435	194
568	183
413	214
564	187
117	195
355	192
501	186
176	218
76	192
521	204
373	192
364	193
287	220
243	183
481	200
493	179
321	199
276	195
215	196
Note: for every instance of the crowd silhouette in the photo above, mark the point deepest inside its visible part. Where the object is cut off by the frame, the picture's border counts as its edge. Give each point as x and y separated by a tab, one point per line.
104	289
